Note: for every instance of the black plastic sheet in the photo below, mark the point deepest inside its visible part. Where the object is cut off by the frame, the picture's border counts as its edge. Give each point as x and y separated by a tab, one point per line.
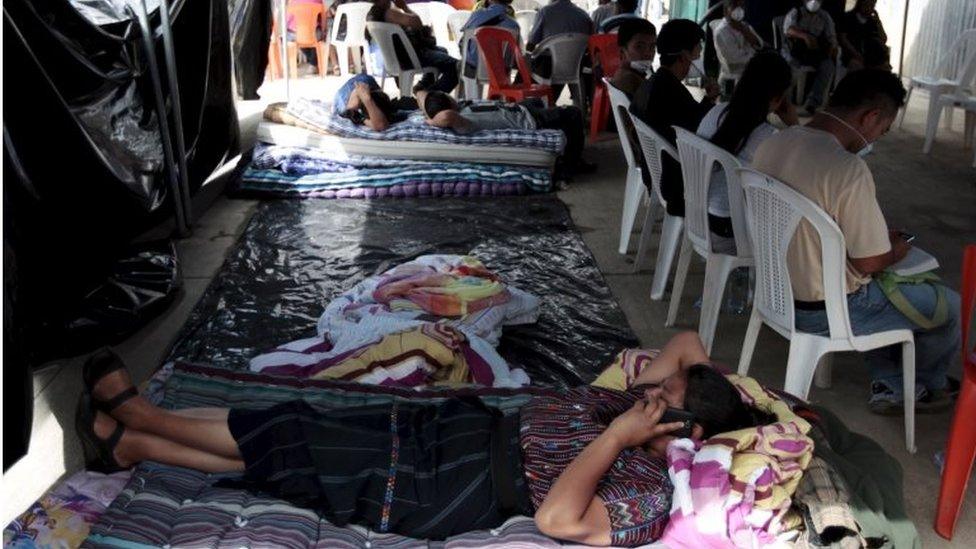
295	256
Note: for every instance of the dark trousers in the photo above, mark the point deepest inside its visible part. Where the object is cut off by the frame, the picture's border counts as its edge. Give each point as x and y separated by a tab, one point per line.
442	61
569	120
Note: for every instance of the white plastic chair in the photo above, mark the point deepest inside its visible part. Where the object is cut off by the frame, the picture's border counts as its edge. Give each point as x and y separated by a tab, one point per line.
773	212
526	20
439	14
385	35
634	184
455	22
520	5
354	14
948	89
699	158
567	51
474	87
422	9
654	145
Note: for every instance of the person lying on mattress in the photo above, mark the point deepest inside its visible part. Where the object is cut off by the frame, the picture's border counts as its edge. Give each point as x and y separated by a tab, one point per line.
443	111
363	102
587	463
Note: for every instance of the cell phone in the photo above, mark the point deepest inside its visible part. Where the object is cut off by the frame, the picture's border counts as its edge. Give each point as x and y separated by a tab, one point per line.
907	237
672	415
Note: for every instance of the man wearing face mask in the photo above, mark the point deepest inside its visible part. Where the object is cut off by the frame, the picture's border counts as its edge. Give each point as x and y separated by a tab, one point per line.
811	41
662	101
822	161
735	41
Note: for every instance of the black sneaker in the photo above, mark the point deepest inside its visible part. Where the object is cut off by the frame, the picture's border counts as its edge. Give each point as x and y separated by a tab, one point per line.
884	401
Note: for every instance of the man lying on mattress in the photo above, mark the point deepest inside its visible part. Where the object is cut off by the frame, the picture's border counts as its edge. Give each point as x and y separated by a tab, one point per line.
589	464
364	103
443	111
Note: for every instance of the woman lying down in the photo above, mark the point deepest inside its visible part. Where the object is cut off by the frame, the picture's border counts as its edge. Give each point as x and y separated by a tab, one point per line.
588	464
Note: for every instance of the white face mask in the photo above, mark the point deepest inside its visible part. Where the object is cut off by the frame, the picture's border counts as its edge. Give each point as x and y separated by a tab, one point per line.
868	146
813	5
738	14
645	65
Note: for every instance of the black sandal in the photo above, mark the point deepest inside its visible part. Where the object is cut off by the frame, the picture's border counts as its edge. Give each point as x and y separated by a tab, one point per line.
102	363
99	453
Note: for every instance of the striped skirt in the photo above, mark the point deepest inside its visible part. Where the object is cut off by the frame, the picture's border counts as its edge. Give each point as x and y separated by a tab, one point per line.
420	470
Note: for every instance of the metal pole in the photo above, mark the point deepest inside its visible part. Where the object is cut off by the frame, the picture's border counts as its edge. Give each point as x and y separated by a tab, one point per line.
147	41
283	32
904	33
174	90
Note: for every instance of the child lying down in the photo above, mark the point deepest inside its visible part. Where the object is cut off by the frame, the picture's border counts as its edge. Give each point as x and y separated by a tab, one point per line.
588	464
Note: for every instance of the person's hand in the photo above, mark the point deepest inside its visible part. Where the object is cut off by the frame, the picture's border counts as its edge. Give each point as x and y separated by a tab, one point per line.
640	424
899	247
712	89
362	90
786	111
658	446
810	40
402	4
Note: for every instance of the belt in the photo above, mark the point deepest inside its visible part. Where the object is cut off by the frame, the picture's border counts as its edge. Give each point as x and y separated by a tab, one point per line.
809	305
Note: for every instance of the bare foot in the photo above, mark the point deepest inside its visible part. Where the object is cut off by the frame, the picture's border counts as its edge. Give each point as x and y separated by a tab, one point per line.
130	412
104	426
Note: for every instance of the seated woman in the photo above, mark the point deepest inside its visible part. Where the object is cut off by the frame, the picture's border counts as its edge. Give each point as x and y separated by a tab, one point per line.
587	462
422	39
740	126
862	38
362	101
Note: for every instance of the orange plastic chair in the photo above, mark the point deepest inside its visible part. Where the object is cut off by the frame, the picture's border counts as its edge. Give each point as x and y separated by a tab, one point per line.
306	18
961	448
492	43
604	49
463	5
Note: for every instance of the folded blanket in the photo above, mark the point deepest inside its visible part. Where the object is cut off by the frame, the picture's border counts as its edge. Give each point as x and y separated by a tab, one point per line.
446	313
318	116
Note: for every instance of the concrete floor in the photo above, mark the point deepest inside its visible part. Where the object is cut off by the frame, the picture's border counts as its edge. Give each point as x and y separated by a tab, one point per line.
933	196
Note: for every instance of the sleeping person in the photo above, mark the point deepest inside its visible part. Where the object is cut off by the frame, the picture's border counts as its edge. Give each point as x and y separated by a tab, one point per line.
443	111
364	103
586	462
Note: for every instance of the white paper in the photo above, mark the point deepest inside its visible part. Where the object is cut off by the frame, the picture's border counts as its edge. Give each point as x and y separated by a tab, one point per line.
917	261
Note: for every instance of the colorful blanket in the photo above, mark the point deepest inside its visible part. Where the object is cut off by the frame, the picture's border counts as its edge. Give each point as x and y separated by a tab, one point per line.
317	115
734	489
446	313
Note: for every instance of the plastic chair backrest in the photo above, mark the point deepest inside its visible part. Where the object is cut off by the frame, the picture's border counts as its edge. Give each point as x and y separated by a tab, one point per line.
653	146
567	51
386	35
778	32
525	20
773	213
467	40
354	14
422	9
306	17
959	57
531	5
968	301
700	159
455	22
493	44
604	48
620	107
439	14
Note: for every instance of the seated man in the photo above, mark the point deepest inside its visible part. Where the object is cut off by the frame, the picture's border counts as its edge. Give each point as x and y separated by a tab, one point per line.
421	37
558	17
662	101
637	40
735	41
443	111
493	14
811	41
362	101
862	38
821	160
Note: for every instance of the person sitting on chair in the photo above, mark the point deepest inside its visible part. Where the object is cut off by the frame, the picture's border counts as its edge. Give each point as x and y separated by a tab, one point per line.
735	41
493	14
558	17
572	458
623	10
637	40
822	161
422	39
862	38
811	41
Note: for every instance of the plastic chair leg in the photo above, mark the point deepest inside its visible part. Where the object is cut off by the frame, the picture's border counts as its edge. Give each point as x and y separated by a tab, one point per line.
950	112
960	454
342	52
293	59
908	373
357	59
932	122
646	232
805	353
680	275
717	270
632	194
601	109
670	237
822	377
323	54
749	344
904	109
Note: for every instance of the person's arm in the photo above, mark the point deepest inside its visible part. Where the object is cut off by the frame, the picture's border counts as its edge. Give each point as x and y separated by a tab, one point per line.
855	61
535	36
399	14
792	29
878	263
725	42
375	119
571	510
871	248
451	120
681	351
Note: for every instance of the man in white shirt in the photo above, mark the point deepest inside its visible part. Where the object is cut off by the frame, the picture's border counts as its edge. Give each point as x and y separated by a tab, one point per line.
822	161
735	41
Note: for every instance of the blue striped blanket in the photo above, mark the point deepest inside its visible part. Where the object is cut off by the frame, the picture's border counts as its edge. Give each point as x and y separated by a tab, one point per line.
318	115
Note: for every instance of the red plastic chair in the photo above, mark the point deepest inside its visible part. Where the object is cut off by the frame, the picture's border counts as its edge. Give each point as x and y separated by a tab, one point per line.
307	18
961	448
603	49
492	43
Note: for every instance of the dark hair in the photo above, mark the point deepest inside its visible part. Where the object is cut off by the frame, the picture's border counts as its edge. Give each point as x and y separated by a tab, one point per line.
717	404
631	28
766	77
437	101
868	88
676	36
625	6
383	102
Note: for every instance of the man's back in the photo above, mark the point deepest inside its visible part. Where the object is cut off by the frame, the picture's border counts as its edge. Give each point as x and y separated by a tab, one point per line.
560	17
815	164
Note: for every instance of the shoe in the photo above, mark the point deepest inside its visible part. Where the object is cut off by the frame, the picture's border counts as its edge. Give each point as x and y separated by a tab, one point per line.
100	364
884	401
952	387
99	453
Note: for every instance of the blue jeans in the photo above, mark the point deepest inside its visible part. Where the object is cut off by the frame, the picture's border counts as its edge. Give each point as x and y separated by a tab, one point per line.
871	312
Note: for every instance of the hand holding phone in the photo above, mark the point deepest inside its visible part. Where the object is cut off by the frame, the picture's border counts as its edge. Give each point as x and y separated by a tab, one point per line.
672	415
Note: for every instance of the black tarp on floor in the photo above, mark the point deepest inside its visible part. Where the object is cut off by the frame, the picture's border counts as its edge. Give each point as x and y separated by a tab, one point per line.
295	256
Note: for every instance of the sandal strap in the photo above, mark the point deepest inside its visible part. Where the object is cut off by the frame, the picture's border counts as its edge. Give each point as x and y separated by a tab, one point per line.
113	440
117	400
